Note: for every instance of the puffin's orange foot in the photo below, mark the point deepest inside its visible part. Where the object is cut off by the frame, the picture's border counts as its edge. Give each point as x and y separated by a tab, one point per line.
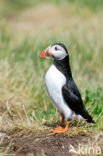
59	130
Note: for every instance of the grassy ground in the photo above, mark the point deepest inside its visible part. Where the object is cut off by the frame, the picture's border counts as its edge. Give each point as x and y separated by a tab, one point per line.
25	31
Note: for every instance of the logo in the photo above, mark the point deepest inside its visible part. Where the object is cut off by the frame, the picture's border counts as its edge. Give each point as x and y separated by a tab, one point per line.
84	149
95	149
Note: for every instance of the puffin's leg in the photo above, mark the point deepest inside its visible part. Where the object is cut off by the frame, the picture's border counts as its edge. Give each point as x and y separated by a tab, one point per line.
62	122
61	129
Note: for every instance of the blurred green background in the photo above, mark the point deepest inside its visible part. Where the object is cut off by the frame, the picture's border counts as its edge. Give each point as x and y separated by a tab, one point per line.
26	28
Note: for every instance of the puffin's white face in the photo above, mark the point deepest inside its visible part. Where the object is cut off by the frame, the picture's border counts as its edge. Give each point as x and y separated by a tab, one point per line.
55	51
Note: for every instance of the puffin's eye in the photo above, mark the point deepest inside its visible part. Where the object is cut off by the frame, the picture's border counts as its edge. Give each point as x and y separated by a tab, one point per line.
56	48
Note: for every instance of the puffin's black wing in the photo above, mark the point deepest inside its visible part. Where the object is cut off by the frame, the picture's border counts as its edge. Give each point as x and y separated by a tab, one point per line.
74	101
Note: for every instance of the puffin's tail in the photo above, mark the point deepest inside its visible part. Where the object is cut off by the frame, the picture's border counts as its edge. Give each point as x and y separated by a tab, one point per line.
86	115
90	120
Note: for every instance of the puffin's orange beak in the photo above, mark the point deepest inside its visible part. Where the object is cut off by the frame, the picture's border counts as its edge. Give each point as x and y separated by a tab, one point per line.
42	54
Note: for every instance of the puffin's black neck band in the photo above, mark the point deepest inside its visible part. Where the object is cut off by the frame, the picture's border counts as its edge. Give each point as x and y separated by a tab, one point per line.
63	66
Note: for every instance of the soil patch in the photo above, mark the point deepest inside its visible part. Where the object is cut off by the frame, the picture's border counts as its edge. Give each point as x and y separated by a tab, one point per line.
43	143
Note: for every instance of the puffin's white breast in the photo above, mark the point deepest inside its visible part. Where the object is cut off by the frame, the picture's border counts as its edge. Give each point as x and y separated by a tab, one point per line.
54	80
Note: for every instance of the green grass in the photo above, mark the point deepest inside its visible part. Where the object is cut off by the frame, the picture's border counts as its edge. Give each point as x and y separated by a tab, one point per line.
24	100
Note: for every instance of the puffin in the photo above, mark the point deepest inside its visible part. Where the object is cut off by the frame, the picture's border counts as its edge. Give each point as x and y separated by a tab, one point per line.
62	89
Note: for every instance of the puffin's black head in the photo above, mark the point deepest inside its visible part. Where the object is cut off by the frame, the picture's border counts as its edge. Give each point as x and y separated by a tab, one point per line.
58	51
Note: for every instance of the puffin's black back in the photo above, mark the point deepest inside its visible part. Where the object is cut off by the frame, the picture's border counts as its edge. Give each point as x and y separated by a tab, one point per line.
64	67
